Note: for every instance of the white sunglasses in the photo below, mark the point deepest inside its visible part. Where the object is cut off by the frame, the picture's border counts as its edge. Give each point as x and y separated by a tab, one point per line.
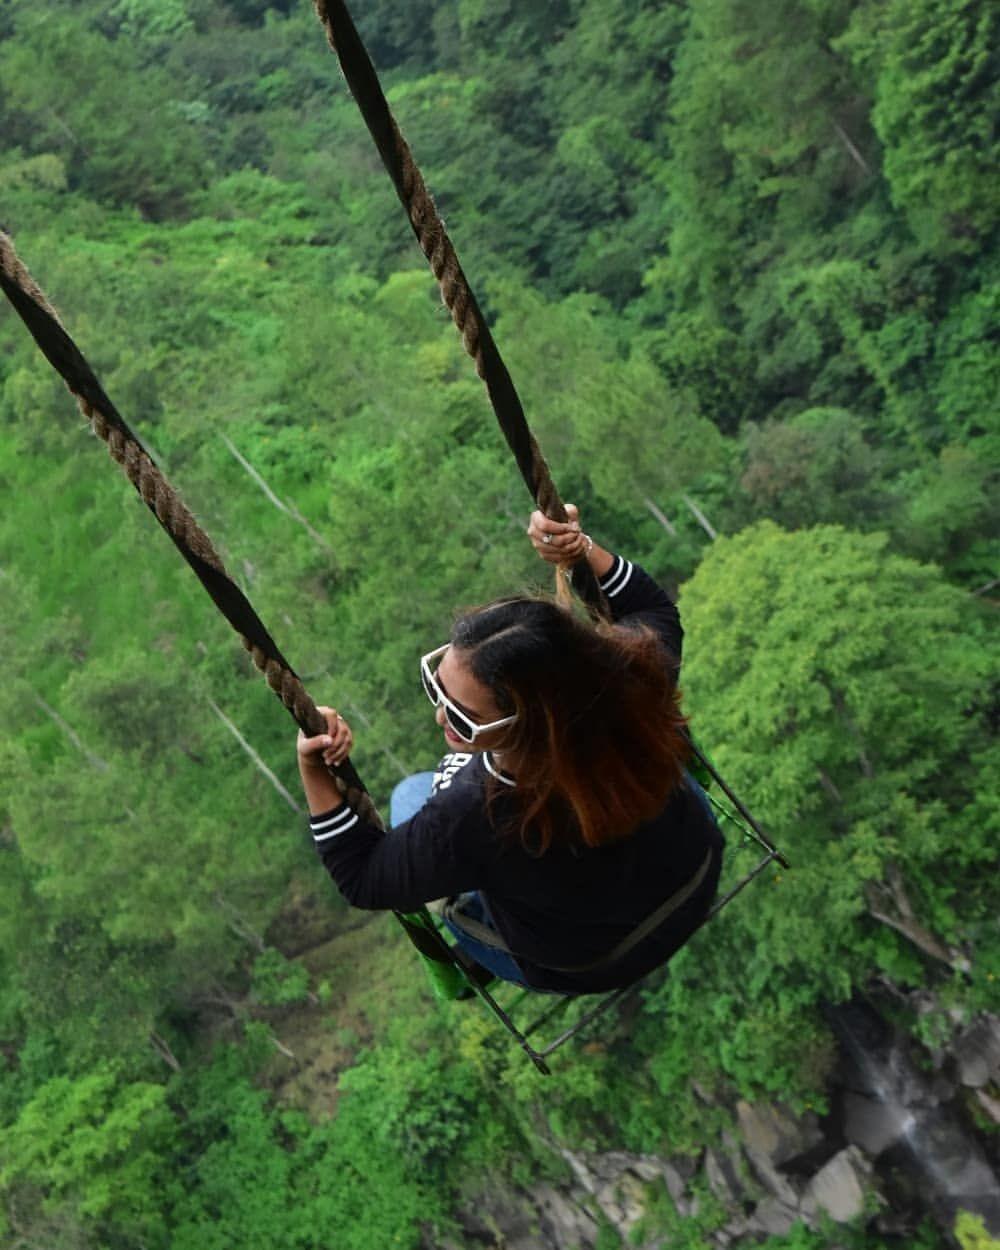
463	724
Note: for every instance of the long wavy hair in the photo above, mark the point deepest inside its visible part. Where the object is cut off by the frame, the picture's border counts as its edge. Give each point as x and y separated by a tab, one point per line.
599	744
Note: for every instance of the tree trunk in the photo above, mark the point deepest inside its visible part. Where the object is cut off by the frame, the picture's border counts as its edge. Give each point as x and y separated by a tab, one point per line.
700	517
663	519
893	892
240	927
257	761
852	150
829	785
161	1047
94	760
284	1049
287	509
840	706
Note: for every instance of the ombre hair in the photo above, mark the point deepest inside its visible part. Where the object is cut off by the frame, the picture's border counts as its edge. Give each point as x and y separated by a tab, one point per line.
599	743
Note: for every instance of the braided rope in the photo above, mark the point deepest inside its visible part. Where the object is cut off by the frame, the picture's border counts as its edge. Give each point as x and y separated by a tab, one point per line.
17	272
457	297
170	510
456	293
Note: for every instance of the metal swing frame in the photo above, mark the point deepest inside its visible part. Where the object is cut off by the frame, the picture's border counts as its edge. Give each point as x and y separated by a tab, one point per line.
739	816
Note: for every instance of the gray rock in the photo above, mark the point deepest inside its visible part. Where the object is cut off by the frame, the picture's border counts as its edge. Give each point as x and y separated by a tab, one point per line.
990	1105
581	1170
770	1130
777	1185
723	1179
838	1188
686	1165
977	1053
609	1165
703	1093
674	1181
565	1225
773	1217
647	1168
623	1202
772	1135
502	1218
617	1180
735	1229
873	1125
529	1241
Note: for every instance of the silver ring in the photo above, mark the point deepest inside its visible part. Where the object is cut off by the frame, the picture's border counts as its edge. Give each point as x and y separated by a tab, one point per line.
546	539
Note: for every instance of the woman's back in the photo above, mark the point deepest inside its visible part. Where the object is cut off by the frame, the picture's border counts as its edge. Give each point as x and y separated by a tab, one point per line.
575	904
593	828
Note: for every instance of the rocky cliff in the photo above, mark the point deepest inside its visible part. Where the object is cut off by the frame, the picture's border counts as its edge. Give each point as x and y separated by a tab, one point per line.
908	1136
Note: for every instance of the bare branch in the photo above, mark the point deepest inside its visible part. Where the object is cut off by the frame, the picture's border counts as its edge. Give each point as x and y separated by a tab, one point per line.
828	784
905	922
225	1002
240	926
70	134
94	760
700	517
990	1105
356	712
661	516
284	1049
840	705
258	762
282	507
161	1047
388	752
288	509
852	151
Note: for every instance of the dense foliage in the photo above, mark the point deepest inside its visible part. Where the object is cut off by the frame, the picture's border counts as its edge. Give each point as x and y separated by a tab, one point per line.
743	263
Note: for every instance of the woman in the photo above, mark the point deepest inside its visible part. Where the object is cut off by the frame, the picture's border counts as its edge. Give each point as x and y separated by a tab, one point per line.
581	852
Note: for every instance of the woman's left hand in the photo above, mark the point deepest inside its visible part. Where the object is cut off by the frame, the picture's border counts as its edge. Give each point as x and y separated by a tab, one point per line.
333	747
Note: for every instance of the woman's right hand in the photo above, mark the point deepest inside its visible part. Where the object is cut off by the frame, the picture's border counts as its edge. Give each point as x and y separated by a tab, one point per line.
559	542
323	750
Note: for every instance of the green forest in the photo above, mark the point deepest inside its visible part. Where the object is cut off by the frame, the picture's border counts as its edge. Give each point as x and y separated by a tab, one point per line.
743	263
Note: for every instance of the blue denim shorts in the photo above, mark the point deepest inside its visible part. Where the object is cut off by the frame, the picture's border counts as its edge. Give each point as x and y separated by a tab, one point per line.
407	799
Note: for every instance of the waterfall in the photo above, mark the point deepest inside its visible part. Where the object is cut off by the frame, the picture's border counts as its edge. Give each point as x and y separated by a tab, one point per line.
892	1107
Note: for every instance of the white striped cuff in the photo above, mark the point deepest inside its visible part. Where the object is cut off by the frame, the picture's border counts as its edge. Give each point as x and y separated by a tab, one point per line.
616	578
325	827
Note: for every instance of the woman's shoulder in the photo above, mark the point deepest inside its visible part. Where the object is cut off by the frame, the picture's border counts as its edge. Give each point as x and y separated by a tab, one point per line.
687	820
458	770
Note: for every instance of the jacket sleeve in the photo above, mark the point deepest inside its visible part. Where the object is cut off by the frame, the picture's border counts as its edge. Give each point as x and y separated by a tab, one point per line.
634	597
437	853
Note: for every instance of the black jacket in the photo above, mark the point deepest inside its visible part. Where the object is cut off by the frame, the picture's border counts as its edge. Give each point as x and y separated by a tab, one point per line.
566	908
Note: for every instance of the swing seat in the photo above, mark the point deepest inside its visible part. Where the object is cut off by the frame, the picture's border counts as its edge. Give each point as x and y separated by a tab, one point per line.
735	815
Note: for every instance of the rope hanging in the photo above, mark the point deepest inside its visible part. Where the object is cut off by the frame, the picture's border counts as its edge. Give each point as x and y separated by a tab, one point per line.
455	291
169	509
196	547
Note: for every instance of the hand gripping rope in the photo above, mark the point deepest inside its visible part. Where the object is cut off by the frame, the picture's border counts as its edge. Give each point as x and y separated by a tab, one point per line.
437	247
447	963
197	549
455	291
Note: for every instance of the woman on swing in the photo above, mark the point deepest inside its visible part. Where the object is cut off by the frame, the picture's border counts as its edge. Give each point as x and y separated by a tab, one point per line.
575	851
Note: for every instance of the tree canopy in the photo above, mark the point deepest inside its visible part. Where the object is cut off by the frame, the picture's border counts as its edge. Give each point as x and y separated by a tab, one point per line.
742	262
